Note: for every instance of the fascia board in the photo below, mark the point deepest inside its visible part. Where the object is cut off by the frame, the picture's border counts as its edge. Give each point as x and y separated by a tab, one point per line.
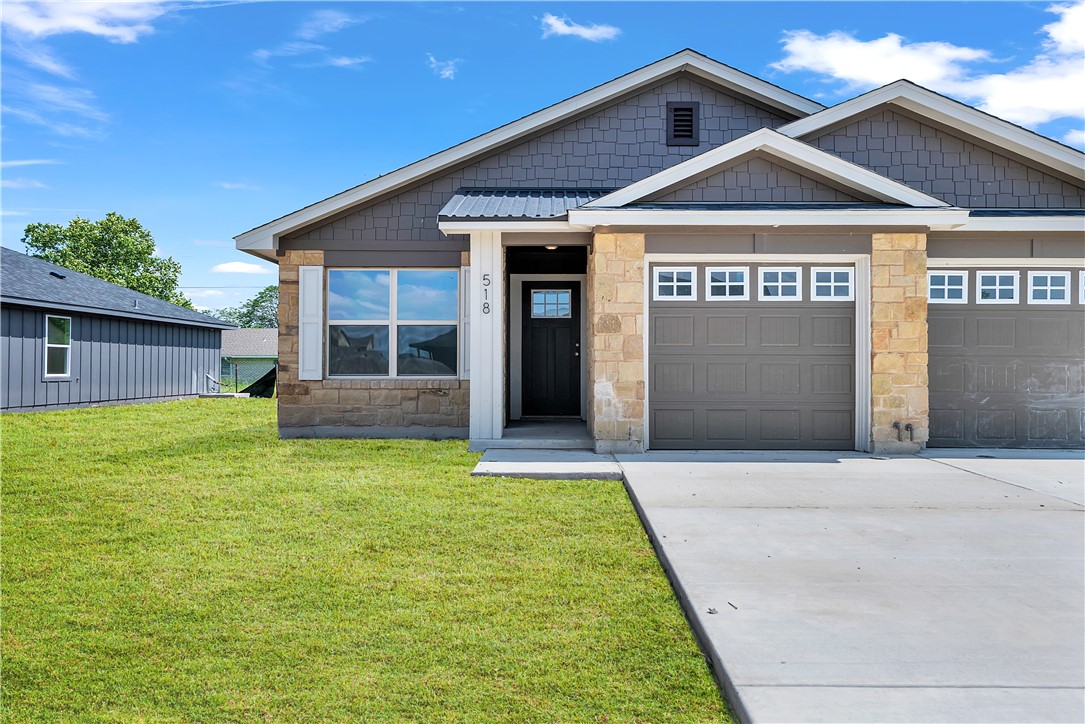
1033	223
994	131
942	218
263	237
788	149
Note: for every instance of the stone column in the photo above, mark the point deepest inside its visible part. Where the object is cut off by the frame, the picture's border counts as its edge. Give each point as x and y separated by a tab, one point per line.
898	275
616	342
295	400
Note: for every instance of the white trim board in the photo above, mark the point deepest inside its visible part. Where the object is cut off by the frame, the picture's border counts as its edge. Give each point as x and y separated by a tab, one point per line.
987	262
516	349
690	61
774	145
948	112
1023	223
941	219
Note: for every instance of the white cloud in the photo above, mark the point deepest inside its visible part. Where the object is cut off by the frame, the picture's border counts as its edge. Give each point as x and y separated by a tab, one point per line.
237	186
1051	85
1075	137
29	162
286	50
8	212
344	61
22	183
205	293
445	69
240	267
61	128
117	22
323	22
38	56
553	25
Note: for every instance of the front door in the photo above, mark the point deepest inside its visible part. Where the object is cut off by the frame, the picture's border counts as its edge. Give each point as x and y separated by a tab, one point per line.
551	348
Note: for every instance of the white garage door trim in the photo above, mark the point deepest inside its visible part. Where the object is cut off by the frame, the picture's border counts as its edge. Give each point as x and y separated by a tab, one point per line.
863	397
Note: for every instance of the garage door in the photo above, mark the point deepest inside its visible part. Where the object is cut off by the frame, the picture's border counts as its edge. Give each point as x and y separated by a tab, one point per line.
751	357
1006	349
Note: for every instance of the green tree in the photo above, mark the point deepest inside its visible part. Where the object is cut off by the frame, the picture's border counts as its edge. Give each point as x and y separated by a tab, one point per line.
260	311
115	249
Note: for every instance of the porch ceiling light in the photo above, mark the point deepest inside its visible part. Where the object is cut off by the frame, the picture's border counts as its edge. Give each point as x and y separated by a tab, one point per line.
551	247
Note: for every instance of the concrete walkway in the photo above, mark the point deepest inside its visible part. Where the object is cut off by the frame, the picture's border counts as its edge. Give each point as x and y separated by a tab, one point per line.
845	588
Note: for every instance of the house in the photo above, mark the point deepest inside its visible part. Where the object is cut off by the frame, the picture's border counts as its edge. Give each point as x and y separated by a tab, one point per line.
248	355
690	257
69	339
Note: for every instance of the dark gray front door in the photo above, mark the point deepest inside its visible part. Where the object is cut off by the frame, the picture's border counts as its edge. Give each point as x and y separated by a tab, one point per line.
760	373
551	349
1008	374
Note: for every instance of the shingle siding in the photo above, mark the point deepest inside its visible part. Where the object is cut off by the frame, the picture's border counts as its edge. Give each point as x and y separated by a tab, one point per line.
945	166
613	147
756	180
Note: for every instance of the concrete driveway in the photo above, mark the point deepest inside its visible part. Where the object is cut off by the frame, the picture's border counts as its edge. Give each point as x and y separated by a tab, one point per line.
845	588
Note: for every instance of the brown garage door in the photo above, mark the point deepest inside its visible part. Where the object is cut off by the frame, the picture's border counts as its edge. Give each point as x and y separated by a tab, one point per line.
761	372
1006	372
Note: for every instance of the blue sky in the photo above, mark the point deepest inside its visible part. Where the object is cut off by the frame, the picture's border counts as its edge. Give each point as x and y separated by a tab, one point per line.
205	119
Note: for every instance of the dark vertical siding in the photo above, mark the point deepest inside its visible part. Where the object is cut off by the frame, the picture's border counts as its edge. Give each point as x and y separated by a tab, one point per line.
111	360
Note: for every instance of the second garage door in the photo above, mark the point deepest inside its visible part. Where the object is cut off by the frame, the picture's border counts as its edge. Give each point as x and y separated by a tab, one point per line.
751	357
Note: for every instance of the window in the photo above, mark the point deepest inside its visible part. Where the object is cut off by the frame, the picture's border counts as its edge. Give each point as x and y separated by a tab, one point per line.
1046	287
947	287
832	283
683	123
58	346
551	303
675	284
730	282
780	283
996	287
393	322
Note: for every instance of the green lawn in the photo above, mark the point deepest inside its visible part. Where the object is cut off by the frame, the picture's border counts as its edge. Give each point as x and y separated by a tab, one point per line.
178	562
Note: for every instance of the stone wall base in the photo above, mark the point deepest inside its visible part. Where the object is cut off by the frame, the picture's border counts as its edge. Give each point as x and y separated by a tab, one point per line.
892	447
619	447
374	432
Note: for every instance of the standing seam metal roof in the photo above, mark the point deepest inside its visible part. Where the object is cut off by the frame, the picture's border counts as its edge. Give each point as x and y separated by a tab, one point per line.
525	203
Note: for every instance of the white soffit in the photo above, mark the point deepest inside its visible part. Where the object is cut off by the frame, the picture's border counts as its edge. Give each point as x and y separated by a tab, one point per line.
774	144
263	237
948	112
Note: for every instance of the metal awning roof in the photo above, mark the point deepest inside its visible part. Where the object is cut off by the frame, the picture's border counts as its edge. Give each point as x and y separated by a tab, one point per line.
526	203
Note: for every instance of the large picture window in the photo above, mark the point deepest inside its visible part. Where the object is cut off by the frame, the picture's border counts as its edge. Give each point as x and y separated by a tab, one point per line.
393	322
58	346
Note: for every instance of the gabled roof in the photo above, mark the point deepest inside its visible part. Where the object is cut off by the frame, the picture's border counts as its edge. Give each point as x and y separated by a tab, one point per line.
262	238
947	112
470	203
769	143
33	282
250	342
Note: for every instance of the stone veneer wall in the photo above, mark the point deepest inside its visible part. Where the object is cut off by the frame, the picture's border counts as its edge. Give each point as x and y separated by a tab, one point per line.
616	342
436	408
898	271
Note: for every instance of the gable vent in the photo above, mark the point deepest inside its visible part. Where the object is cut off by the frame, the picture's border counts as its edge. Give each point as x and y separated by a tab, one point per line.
683	123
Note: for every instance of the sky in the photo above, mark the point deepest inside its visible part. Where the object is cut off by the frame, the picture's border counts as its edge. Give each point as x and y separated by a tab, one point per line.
204	119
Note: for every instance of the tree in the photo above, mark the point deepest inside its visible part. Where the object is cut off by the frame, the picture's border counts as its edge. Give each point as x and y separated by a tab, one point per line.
115	249
260	311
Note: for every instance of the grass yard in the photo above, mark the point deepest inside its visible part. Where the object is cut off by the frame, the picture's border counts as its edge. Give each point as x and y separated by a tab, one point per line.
178	562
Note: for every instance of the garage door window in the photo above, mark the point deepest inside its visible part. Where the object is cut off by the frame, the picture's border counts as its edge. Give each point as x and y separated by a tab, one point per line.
781	283
947	287
1049	287
675	284
727	283
832	284
998	287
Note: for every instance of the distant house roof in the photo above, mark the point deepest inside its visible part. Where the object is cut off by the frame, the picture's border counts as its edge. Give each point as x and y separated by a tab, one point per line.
250	343
32	282
471	203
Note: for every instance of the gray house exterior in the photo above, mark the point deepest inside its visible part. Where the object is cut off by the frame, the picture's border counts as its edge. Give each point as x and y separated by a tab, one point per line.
71	340
690	257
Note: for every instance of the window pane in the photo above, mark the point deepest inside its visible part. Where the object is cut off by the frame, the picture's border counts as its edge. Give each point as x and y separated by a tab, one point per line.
1057	294
822	290
56	361
939	279
840	291
666	291
954	293
788	276
60	330
938	293
427	294
357	349
718	276
1058	281
789	290
358	294
737	290
686	277
666	276
823	277
427	350
1005	281
841	277
771	276
685	291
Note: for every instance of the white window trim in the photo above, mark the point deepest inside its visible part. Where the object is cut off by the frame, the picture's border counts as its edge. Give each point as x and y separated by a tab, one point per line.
393	325
746	284
1058	302
761	283
692	280
815	297
1081	287
48	346
998	273
947	272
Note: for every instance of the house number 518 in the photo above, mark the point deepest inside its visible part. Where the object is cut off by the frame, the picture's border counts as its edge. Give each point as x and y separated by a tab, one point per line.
485	293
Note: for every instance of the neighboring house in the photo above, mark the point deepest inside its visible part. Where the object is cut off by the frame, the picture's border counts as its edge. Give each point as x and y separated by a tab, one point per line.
691	257
69	339
248	355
